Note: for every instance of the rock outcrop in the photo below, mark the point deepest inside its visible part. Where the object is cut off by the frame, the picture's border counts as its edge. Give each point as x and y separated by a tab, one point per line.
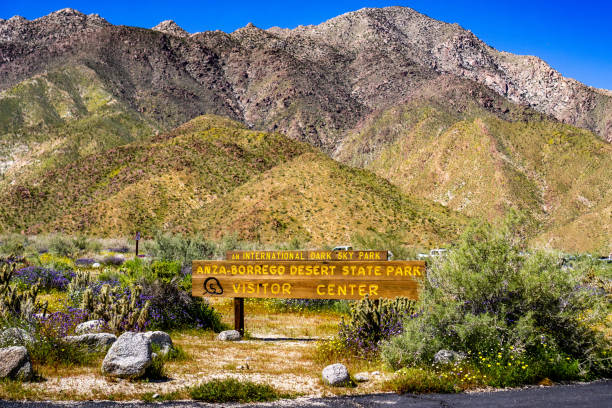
15	363
170	27
336	375
160	339
93	341
128	357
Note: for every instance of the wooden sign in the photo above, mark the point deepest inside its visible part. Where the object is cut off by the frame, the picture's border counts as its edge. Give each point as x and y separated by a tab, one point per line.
306	255
308	279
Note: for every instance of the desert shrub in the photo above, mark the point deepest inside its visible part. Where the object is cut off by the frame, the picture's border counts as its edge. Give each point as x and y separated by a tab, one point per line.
134	270
53	261
113	260
173	308
233	390
372	321
123	249
420	381
181	249
13	244
47	278
82	244
301	305
488	297
385	241
84	261
166	270
50	347
62	245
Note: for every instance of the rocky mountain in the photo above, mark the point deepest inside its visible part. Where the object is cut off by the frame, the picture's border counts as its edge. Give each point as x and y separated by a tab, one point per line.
313	83
415	100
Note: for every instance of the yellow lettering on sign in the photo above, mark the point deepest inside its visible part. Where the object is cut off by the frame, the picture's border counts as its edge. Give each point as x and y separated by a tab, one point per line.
333	289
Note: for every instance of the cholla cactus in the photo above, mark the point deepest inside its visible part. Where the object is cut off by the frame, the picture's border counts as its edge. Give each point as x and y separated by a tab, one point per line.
119	309
14	302
79	282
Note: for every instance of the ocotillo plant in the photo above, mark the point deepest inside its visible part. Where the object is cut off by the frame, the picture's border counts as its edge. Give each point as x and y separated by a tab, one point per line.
118	308
14	302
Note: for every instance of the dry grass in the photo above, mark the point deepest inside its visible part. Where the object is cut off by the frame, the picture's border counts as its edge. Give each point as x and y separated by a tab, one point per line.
280	351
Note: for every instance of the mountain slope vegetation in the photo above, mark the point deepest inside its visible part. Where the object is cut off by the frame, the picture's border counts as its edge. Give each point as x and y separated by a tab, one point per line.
61	116
482	165
216	177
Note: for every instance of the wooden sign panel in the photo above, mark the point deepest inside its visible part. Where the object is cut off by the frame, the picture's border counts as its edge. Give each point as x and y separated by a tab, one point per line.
306	255
307	279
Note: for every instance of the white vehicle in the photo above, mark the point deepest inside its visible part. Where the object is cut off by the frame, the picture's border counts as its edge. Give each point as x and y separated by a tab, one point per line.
343	248
438	252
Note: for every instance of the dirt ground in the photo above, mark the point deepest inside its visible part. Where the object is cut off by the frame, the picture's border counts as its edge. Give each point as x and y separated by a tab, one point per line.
279	350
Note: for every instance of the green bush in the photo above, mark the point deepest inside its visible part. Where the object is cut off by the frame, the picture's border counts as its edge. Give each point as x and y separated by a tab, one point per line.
232	390
82	244
62	246
173	308
134	271
13	244
487	297
157	369
181	249
420	381
166	270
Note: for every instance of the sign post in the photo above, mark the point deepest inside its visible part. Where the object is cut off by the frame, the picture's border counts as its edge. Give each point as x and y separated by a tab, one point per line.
305	275
137	240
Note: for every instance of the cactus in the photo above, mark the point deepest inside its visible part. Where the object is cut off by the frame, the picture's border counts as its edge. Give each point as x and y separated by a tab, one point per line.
371	321
18	303
117	308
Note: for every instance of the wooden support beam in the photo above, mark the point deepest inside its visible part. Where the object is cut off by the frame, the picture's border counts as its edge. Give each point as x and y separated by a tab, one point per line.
239	315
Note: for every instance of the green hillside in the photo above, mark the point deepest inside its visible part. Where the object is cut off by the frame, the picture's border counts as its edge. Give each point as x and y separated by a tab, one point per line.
316	199
61	116
482	164
212	175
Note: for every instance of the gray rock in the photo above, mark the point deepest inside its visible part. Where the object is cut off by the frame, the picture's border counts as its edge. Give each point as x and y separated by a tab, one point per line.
15	363
16	336
128	357
90	326
160	339
229	335
448	357
336	375
362	377
94	341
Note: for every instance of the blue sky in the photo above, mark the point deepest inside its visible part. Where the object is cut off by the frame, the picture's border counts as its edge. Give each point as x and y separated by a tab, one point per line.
575	37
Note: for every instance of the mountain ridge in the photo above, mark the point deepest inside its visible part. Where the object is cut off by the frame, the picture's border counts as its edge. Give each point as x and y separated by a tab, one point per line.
419	42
